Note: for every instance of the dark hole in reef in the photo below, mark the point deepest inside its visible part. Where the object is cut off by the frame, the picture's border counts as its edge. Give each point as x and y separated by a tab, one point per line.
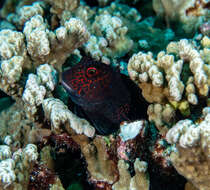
5	101
186	72
2	94
2	3
71	169
207	6
92	3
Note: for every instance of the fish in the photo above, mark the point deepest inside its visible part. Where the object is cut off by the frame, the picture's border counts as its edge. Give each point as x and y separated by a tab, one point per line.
99	91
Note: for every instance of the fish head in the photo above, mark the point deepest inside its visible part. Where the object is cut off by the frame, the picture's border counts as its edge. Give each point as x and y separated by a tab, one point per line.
89	81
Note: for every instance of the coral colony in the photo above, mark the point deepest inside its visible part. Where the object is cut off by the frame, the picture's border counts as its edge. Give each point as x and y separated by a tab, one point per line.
104	95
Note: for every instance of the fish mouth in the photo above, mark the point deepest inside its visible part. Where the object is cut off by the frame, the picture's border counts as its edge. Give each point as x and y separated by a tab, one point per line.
66	86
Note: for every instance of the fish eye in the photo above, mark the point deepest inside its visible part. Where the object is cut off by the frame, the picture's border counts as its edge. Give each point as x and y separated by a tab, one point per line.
92	71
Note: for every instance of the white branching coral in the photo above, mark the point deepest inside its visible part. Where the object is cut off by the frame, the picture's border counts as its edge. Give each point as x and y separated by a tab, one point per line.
192	141
11	69
8	140
24	13
11	44
38	87
15	165
36	33
47	75
110	37
188	53
59	114
142	68
148	74
14	57
5	152
191	92
173	70
7	173
95	46
30	152
72	35
44	45
34	92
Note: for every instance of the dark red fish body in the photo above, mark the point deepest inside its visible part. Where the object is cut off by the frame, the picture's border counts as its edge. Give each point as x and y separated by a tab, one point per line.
100	92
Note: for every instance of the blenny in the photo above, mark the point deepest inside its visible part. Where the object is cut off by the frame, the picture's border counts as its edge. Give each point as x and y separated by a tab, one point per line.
100	92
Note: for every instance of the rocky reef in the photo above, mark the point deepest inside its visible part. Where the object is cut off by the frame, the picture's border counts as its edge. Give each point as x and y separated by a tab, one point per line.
161	49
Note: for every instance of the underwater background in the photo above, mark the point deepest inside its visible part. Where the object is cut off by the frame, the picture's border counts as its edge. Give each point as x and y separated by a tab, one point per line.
104	95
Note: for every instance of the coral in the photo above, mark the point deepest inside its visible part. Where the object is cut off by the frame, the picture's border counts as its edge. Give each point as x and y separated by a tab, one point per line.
58	6
14	58
35	91
46	141
48	76
15	124
101	167
110	35
20	170
190	13
37	38
44	45
24	14
141	68
8	140
192	157
161	115
12	69
205	42
189	186
187	53
148	74
7	174
11	44
43	178
125	177
205	28
126	182
15	167
59	114
5	152
140	180
131	130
